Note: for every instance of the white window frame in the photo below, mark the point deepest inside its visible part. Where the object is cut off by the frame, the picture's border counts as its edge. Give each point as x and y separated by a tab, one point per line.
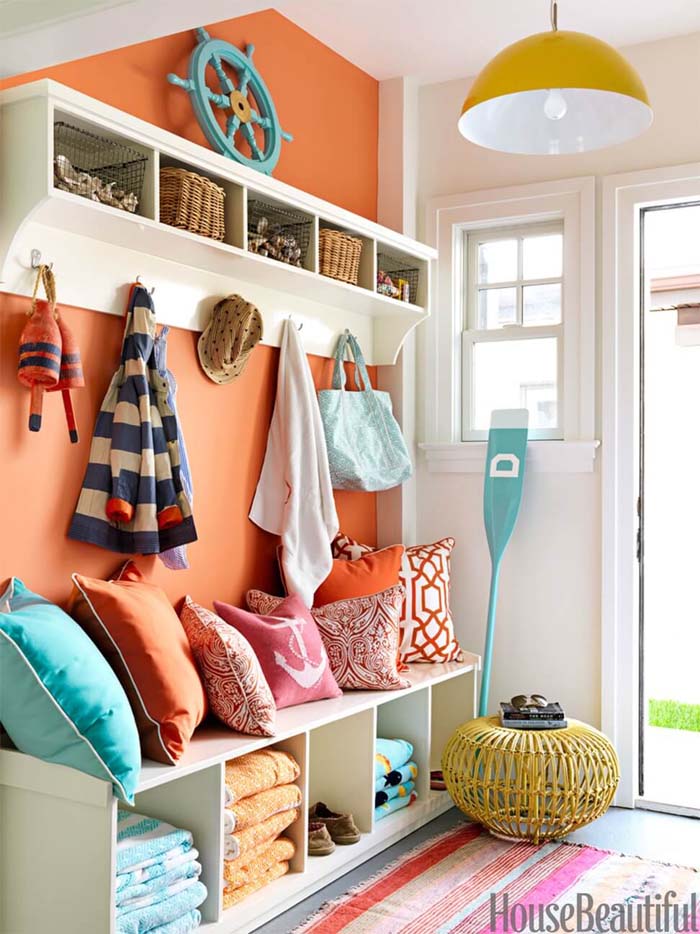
571	201
473	335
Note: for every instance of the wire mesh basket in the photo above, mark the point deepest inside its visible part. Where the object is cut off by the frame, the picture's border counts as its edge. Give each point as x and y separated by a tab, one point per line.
279	233
396	279
98	168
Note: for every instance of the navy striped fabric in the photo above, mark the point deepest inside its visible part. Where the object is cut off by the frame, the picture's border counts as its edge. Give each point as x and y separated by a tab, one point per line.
135	451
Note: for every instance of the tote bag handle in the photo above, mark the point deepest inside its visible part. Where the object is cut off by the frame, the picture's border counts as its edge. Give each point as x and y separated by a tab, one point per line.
345	341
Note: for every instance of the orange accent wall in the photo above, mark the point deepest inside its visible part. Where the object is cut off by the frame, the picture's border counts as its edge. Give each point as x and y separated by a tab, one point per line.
331	107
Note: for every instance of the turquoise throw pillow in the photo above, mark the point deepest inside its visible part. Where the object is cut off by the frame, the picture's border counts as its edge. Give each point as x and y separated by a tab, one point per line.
59	699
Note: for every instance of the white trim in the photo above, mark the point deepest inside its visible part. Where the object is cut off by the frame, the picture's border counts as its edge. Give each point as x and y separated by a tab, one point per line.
542	457
447	219
623	198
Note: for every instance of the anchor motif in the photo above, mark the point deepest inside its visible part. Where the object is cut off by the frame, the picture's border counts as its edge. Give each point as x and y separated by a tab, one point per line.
312	671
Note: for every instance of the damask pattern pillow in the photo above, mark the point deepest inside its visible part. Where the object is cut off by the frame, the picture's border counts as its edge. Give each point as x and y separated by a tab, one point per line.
427	629
360	635
236	687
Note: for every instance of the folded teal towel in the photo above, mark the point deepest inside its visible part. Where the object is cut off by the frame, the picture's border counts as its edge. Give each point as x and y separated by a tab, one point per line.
158	889
407	773
391	754
143	920
183	925
173	859
143	841
395	791
394	805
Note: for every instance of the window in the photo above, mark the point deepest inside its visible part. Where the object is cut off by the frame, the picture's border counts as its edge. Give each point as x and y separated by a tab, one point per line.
512	343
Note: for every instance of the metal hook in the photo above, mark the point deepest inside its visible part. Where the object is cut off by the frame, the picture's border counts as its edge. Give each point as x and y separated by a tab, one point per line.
150	291
36	259
300	326
554	15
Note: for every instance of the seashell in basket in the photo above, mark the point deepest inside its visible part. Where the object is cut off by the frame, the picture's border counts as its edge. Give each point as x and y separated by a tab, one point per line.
64	170
262	225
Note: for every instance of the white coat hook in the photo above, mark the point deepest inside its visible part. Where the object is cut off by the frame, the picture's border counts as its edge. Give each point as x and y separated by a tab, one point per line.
300	326
150	291
36	259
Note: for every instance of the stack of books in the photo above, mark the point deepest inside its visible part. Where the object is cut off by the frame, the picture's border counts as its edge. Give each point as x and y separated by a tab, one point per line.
548	717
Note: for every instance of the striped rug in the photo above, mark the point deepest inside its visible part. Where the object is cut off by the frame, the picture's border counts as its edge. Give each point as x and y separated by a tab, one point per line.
445	886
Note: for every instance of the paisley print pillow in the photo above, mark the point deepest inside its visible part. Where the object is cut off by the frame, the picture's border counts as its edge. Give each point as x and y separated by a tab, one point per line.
361	637
427	629
236	687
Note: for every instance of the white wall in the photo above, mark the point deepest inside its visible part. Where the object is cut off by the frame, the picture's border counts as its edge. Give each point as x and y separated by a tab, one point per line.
548	628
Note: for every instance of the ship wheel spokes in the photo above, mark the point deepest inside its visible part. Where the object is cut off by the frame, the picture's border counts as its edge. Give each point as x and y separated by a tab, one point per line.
232	124
250	135
263	122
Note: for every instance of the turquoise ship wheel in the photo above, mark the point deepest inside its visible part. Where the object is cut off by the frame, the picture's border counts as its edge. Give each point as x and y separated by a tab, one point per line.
245	100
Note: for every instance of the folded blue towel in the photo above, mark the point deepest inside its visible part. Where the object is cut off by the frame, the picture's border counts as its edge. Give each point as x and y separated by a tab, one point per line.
183	925
158	889
391	754
143	841
144	920
395	804
395	791
173	859
406	773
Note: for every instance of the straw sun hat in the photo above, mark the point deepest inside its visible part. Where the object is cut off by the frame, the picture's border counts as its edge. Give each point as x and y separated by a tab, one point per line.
233	331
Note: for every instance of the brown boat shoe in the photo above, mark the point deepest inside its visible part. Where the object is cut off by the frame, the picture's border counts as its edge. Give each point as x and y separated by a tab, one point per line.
319	843
341	827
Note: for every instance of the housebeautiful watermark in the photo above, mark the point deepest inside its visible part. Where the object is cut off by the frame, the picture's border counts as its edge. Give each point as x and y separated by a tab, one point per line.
652	913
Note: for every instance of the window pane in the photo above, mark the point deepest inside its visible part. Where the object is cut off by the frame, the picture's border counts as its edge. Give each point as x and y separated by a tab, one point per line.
542	257
498	261
542	304
497	307
516	374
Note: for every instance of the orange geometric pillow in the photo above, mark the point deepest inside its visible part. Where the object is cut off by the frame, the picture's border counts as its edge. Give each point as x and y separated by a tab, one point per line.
427	630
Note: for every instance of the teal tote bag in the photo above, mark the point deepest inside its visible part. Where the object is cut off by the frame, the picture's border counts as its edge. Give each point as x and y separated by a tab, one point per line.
366	450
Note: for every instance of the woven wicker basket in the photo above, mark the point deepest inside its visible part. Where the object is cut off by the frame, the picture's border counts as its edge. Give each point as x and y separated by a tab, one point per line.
339	255
191	202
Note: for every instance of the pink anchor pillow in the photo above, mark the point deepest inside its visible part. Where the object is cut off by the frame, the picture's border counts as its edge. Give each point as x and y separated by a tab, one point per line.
289	648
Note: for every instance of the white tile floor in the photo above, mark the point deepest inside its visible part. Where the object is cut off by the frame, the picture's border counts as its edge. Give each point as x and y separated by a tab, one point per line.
661	837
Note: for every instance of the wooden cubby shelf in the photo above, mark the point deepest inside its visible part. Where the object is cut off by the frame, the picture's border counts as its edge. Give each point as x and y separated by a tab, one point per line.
74	815
190	272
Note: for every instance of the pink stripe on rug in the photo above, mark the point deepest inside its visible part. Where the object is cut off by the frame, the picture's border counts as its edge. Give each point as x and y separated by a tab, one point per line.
555	885
391	879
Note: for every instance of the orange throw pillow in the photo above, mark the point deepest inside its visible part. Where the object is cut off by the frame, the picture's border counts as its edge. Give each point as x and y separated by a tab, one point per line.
137	630
370	574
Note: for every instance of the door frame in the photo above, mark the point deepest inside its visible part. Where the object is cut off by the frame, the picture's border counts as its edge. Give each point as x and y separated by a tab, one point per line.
624	197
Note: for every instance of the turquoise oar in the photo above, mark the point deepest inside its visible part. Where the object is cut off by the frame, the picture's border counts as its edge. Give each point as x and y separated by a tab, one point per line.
503	487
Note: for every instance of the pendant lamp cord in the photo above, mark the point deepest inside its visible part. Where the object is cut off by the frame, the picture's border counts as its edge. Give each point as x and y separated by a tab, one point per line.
554	15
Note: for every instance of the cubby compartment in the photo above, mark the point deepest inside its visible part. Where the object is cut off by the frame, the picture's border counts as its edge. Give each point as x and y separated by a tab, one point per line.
341	773
335	255
98	165
280	232
407	716
298	747
201	202
449	701
194	802
400	276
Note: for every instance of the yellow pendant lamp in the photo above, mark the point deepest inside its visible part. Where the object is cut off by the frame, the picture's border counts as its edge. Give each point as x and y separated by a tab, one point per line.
554	93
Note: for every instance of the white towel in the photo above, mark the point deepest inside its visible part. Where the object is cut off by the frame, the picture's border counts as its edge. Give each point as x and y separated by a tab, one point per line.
294	498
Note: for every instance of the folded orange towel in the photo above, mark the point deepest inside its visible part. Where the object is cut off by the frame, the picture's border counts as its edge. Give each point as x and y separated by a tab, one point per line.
234	896
254	865
238	844
257	771
258	807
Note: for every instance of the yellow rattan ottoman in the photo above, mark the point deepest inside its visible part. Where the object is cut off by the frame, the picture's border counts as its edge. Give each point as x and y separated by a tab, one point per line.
530	784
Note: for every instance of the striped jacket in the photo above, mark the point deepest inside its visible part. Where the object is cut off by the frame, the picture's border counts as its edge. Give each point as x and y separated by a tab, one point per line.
132	499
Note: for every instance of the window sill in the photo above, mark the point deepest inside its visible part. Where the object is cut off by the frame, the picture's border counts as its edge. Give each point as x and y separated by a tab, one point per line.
542	456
